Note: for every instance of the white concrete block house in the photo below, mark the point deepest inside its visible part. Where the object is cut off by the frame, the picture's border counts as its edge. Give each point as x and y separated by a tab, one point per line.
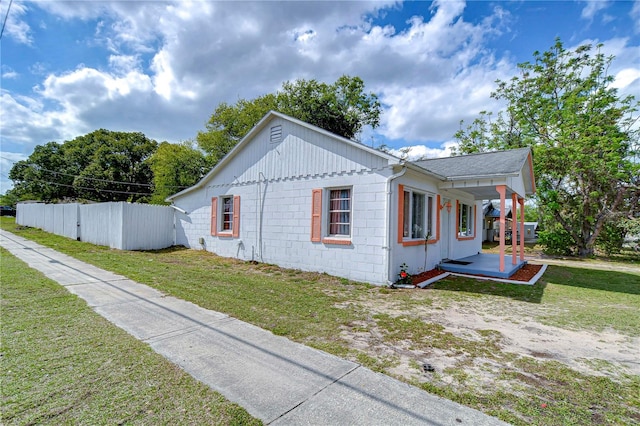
297	196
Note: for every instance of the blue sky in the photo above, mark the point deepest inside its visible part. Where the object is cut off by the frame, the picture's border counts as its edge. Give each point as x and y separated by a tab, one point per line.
161	68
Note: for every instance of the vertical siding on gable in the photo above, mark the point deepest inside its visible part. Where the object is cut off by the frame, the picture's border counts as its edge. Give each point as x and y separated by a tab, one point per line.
302	153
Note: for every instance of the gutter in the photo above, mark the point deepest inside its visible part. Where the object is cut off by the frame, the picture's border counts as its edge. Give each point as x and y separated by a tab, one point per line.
487	176
178	209
387	248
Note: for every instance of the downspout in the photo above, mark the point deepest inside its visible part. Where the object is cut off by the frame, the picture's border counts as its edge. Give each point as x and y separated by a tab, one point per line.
390	179
260	213
175	221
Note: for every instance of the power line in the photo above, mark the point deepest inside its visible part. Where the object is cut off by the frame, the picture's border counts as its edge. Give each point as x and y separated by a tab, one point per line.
85	188
4	23
34	165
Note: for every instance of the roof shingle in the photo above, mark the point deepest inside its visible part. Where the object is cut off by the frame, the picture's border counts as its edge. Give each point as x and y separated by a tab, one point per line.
477	165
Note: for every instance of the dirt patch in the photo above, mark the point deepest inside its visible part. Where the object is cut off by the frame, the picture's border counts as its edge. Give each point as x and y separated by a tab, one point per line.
480	346
521	334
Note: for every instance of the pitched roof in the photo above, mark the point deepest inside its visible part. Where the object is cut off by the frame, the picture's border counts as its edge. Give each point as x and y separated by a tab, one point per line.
271	115
484	164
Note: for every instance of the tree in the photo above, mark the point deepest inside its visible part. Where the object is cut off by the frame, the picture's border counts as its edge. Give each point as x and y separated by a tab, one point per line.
100	166
229	123
176	167
583	138
9	198
343	108
44	175
116	167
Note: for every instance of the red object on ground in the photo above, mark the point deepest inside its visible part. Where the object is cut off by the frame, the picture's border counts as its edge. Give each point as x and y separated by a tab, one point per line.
426	275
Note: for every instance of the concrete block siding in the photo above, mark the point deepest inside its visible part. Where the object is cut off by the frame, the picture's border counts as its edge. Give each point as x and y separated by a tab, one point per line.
275	178
275	226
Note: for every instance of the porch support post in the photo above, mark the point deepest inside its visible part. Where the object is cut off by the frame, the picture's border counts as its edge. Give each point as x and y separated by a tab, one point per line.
502	190
514	229
521	202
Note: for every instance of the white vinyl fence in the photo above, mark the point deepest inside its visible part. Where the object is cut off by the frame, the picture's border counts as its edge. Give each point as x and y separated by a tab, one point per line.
121	225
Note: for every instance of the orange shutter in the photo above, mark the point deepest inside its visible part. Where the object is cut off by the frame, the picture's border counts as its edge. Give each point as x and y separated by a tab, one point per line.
236	217
400	213
214	216
316	215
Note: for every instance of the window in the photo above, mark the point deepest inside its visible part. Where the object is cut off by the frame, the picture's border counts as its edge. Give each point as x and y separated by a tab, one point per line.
225	216
466	220
333	221
417	215
340	212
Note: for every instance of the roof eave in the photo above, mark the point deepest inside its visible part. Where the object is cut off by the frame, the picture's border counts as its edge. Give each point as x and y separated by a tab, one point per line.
393	160
472	177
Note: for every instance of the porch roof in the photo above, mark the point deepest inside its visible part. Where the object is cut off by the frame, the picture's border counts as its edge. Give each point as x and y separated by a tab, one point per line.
479	174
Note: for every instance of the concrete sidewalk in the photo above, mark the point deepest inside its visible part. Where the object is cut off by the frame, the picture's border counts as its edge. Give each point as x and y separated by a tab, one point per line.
274	379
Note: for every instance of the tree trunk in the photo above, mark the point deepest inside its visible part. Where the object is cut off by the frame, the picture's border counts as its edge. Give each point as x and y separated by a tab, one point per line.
585	251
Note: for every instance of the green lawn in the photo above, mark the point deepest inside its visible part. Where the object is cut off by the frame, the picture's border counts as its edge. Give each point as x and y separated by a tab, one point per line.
64	364
317	309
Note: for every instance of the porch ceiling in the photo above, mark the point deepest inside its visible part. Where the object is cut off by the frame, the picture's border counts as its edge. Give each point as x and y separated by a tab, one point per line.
479	191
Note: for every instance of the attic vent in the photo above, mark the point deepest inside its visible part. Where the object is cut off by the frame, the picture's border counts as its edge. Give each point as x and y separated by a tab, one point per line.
276	134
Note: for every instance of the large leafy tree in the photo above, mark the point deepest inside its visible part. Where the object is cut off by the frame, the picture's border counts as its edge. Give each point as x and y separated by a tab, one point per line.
45	175
229	123
176	167
583	136
100	166
343	108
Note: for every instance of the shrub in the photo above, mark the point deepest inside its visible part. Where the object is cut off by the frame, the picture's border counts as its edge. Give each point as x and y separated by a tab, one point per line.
556	241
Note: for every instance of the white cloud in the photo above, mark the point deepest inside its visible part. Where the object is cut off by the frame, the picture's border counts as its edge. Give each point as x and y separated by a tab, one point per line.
635	15
16	27
9	73
593	7
26	121
123	64
166	66
421	152
7	160
626	77
626	64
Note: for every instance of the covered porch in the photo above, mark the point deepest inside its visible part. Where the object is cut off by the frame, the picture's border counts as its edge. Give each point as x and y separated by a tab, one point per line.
504	175
483	264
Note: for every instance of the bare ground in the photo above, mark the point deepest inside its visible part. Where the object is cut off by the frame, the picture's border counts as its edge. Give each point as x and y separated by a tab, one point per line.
475	346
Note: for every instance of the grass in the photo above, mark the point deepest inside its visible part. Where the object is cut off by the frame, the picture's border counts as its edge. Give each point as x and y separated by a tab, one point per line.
63	363
593	299
320	311
581	298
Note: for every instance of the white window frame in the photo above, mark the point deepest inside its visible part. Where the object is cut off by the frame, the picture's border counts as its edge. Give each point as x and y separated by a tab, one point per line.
339	211
418	231
226	214
468	211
